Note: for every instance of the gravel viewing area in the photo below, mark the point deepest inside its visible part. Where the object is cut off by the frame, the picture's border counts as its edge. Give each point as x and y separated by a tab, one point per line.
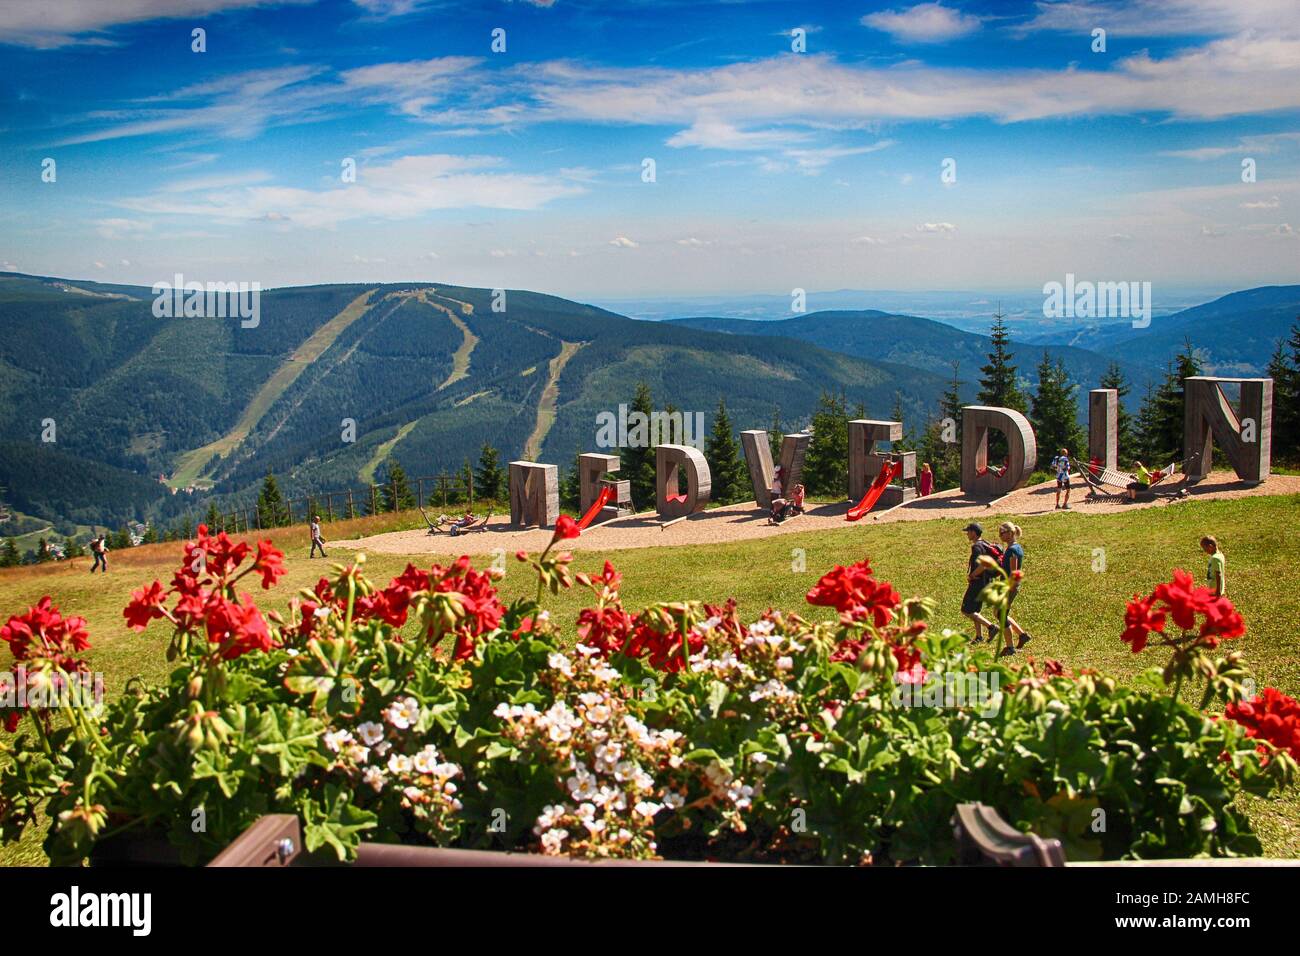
744	521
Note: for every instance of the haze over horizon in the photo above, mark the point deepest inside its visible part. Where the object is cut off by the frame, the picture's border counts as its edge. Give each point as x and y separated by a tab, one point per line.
774	169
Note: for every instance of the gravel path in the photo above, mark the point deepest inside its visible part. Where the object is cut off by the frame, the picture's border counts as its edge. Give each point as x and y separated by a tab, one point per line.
743	521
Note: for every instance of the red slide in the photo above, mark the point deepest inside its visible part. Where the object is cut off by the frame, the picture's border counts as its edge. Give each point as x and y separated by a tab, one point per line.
602	499
888	473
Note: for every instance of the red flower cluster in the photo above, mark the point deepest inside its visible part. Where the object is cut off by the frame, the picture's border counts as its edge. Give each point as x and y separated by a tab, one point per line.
565	527
44	633
607	628
206	597
1273	716
662	648
854	591
1183	601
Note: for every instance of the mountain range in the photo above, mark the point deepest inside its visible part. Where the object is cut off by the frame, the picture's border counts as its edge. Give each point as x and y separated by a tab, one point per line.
106	409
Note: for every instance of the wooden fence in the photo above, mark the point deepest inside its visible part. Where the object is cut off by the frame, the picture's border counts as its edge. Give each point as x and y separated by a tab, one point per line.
353	503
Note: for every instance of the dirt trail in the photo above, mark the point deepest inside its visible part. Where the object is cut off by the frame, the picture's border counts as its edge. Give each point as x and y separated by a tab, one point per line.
744	521
550	394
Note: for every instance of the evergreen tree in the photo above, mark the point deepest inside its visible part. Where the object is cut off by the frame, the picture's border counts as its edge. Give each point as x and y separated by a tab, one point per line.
638	463
490	482
72	547
908	441
950	402
571	486
271	512
730	476
998	379
826	470
395	494
1145	433
1165	439
9	556
1284	369
43	552
1055	414
151	534
467	481
1126	436
213	520
775	437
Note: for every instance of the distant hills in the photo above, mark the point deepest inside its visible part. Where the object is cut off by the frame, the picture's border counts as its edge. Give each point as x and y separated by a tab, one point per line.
424	372
920	343
1234	335
336	378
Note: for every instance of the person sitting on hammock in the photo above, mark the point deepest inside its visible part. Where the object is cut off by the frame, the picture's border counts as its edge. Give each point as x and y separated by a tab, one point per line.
461	524
1144	479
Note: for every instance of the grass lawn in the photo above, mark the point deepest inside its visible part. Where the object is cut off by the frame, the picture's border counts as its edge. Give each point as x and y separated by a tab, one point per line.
1074	612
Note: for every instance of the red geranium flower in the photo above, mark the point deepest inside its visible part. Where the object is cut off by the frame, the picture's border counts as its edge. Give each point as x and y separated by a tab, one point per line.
44	632
855	591
565	527
269	563
1272	716
1140	620
237	628
146	605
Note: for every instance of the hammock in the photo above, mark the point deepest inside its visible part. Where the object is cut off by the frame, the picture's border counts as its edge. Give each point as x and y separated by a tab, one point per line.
1122	480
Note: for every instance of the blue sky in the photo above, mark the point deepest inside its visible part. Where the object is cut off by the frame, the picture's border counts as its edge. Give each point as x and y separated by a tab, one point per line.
775	168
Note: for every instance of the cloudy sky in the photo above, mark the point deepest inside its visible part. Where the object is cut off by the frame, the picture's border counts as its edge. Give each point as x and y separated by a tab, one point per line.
793	144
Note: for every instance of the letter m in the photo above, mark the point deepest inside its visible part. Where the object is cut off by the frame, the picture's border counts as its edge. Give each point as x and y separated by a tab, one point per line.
1115	297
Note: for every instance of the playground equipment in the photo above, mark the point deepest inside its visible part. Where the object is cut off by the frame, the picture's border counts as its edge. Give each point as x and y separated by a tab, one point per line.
454	526
602	499
1099	478
890	471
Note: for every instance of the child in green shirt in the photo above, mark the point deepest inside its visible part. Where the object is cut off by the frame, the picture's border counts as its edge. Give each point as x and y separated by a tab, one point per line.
1216	572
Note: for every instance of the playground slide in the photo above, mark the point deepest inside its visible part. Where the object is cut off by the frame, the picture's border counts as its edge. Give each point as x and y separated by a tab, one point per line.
602	499
888	473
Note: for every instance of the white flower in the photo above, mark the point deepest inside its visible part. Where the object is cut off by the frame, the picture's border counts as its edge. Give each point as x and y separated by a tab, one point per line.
761	628
624	835
591	698
582	786
543	616
608	753
550	815
403	713
413	793
673	799
502	710
605	673
335	739
594	826
759	757
374	777
382	748
785	663
446	771
560	663
586	811
552	839
426	760
371	732
399	763
625	770
586	650
598	714
739	794
559	733
648	809
358	753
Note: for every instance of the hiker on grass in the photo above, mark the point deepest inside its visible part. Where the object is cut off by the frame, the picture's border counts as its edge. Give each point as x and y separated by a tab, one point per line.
1216	574
1013	560
316	540
99	550
1061	465
977	578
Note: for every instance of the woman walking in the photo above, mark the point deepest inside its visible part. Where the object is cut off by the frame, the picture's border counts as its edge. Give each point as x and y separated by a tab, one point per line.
1013	560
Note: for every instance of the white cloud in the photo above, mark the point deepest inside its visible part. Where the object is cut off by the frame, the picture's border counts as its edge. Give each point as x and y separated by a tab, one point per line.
1264	143
623	242
46	25
714	134
923	23
1159	18
403	189
121	228
1270	203
936	227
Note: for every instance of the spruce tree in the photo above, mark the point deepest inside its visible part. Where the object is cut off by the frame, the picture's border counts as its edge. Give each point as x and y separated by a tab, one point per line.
9	556
1145	433
571	485
1126	436
213	520
998	378
730	476
638	463
43	552
395	494
271	512
1055	414
1166	437
775	437
1284	369
825	470
490	481
72	547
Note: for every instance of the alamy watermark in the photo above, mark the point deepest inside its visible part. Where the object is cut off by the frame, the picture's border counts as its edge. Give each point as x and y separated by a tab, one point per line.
208	300
950	689
1098	300
639	430
42	690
